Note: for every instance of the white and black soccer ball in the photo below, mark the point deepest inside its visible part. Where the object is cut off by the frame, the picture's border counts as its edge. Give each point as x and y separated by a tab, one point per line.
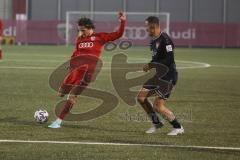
41	116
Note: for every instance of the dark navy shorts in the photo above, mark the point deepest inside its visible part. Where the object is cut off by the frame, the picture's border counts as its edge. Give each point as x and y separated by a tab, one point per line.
162	86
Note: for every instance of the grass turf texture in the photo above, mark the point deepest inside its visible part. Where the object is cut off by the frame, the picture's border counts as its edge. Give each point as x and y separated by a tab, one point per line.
206	100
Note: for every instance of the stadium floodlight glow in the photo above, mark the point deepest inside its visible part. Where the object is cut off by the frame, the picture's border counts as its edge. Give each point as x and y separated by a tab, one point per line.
108	17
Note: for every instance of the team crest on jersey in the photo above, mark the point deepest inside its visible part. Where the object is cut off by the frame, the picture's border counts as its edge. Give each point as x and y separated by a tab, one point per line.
93	38
169	48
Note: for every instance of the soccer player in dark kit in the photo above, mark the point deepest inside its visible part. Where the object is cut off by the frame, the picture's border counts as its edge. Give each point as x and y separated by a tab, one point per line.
88	44
162	83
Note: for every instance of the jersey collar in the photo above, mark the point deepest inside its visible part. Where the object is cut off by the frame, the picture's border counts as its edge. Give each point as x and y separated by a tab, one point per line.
154	38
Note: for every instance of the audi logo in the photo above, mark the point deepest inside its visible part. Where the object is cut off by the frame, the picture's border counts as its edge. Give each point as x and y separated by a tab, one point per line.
135	33
85	45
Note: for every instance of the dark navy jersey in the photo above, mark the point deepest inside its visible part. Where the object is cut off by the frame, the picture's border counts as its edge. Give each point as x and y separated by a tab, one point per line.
163	51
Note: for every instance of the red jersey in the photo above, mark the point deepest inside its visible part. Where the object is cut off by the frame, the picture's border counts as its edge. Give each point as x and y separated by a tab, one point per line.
1	27
92	45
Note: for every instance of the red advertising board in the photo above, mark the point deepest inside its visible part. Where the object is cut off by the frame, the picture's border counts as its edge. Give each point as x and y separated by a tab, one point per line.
183	34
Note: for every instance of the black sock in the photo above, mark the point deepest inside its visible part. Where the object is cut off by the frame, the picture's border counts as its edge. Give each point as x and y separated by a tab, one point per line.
175	123
155	119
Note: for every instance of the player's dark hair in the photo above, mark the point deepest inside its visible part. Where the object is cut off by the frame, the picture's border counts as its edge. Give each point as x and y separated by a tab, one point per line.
86	22
152	20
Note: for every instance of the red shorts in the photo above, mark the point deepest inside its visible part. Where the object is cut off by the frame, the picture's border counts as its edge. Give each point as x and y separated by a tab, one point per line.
78	77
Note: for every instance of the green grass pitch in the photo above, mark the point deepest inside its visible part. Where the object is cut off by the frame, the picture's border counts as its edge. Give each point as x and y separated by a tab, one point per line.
206	100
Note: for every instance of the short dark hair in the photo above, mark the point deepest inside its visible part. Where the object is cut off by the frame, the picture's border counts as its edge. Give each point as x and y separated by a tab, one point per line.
86	22
153	20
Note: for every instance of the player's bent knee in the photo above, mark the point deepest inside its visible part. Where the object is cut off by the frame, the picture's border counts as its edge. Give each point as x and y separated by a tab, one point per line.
159	104
72	98
142	95
158	107
141	99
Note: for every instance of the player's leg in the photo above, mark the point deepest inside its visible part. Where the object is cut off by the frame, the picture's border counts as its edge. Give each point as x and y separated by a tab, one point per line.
72	95
159	106
71	100
147	106
73	79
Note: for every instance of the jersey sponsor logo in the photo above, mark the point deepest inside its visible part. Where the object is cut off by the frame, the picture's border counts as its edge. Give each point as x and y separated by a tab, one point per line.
85	45
169	48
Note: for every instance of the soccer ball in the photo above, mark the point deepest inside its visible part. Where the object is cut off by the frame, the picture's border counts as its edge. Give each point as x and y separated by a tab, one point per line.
41	116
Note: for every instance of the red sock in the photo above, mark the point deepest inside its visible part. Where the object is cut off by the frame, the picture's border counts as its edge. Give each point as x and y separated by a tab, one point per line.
66	109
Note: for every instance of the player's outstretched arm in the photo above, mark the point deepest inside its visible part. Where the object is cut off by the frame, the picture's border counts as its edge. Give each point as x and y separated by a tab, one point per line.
122	16
116	35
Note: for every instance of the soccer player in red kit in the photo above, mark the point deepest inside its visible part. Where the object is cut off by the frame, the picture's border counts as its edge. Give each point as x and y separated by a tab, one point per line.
1	33
88	44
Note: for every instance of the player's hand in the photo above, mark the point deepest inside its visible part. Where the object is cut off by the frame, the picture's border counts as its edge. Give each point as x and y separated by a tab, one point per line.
146	68
121	16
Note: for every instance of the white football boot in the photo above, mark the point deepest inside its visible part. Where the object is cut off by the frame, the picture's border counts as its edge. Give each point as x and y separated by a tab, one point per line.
154	128
176	131
56	124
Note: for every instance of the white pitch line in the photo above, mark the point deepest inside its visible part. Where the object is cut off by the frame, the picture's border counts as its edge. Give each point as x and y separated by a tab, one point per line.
201	64
26	67
194	65
52	68
121	144
226	66
38	60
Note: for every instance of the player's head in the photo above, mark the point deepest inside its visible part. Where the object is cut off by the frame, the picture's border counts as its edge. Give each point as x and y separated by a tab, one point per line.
152	26
85	26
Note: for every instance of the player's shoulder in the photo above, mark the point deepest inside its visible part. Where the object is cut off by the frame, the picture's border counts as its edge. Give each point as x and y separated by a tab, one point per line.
165	35
166	38
100	34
